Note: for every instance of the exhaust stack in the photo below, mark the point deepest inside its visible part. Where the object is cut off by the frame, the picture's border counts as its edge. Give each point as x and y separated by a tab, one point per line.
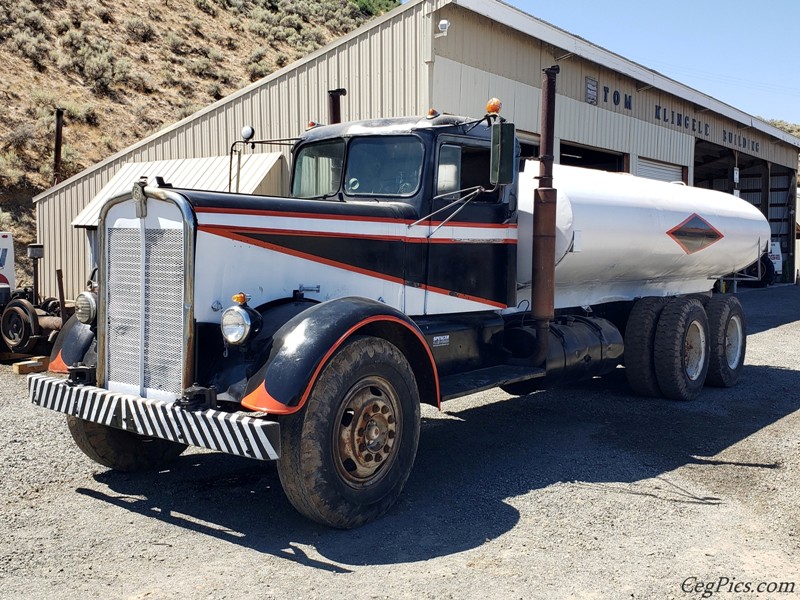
544	223
57	146
335	105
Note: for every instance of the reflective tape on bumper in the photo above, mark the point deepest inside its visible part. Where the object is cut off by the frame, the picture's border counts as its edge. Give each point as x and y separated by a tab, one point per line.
235	433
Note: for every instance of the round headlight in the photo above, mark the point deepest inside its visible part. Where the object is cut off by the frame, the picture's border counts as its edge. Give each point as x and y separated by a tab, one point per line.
86	307
235	325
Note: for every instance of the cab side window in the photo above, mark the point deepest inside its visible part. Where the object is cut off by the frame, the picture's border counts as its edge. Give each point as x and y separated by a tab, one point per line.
462	167
449	173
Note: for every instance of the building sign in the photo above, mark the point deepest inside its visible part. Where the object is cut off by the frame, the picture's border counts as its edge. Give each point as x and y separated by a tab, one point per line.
740	141
681	121
614	99
701	128
607	95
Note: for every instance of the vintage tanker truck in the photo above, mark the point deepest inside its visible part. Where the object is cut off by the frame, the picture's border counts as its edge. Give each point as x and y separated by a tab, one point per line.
416	260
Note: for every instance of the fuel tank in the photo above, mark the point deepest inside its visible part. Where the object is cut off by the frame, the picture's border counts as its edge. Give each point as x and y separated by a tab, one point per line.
619	237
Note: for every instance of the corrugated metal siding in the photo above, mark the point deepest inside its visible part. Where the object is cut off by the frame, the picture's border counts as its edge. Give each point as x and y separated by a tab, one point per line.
382	67
489	46
721	185
209	173
463	90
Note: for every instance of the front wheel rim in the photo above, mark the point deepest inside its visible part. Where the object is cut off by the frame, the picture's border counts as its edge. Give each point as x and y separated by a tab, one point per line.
734	335
694	351
367	432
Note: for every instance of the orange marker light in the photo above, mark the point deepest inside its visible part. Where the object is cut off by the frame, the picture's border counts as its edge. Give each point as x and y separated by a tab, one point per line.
433	113
311	124
493	106
240	298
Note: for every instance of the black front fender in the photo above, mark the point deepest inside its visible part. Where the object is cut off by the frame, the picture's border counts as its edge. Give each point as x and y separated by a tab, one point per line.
303	345
74	344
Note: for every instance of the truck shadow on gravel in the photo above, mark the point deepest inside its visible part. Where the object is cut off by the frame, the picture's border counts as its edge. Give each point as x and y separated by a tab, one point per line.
767	308
475	464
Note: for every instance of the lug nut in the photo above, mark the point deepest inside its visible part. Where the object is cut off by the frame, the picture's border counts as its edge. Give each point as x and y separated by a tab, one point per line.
368	457
376	408
385	409
391	435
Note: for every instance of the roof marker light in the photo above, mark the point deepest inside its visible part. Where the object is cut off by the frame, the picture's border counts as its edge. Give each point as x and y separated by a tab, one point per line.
493	106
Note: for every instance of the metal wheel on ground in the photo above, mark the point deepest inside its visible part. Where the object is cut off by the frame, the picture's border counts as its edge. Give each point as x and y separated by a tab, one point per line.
728	340
122	450
346	455
640	334
681	353
767	275
19	326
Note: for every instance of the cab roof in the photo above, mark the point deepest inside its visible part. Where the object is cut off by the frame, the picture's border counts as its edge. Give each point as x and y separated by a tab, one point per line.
396	126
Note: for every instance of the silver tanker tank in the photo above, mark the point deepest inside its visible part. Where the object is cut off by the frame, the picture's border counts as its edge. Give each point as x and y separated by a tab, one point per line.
620	237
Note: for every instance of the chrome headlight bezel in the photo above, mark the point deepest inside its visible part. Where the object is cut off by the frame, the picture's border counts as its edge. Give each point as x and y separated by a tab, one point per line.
239	324
86	307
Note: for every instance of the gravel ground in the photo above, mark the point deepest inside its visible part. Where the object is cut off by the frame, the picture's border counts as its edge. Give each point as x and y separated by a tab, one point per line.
583	492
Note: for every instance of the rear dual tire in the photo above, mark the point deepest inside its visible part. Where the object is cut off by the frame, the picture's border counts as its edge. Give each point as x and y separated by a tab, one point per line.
681	349
675	347
640	337
728	341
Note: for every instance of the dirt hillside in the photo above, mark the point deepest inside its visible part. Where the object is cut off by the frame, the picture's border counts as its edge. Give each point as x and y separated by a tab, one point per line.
123	70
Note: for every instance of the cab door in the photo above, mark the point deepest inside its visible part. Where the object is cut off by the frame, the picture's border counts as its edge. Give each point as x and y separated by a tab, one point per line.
472	237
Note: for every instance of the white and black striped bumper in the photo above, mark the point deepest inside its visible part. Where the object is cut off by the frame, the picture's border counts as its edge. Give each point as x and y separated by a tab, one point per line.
235	433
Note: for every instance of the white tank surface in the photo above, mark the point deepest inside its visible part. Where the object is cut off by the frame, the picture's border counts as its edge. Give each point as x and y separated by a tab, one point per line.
621	237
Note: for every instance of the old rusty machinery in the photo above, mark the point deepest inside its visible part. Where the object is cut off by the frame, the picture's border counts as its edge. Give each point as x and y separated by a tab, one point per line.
26	322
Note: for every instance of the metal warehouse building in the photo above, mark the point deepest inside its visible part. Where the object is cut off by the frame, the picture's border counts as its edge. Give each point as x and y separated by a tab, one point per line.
611	113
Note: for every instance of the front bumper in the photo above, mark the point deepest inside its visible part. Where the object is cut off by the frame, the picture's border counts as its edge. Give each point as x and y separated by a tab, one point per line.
243	434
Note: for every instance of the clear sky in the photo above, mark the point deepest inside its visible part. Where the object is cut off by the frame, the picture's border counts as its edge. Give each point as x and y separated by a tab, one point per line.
744	53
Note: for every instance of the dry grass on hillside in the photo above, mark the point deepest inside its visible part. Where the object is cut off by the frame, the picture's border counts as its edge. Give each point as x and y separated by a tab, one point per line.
124	69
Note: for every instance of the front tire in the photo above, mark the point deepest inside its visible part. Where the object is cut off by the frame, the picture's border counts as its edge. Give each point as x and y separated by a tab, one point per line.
681	353
728	343
122	450
346	455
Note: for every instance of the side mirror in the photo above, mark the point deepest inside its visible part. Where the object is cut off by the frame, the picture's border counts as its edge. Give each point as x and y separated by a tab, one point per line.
501	169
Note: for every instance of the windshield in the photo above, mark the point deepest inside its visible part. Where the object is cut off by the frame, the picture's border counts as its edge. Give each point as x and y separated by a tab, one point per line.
383	165
318	169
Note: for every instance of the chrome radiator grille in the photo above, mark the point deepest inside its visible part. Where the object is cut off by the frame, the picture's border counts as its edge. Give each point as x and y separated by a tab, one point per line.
145	328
